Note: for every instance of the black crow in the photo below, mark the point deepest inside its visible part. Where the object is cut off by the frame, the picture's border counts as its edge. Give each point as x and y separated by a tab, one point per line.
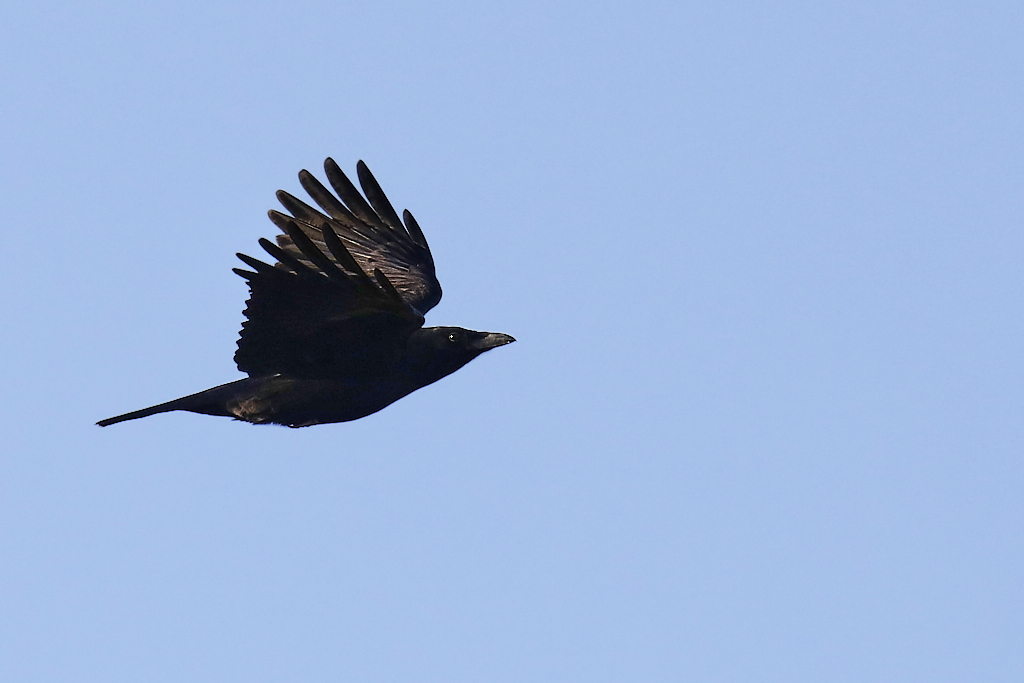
334	329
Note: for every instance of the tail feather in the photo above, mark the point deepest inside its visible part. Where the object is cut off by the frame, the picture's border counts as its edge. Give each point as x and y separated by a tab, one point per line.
210	402
135	414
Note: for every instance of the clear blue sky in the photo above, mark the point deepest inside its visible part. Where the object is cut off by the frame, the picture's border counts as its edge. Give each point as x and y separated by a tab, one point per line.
763	421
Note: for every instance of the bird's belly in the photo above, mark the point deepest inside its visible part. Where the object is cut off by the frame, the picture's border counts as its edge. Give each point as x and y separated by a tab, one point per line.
303	402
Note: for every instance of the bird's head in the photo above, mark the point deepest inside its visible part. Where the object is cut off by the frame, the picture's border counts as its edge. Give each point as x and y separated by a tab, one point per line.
443	350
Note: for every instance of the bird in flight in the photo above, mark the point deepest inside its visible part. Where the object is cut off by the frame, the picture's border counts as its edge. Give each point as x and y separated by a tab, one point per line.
334	329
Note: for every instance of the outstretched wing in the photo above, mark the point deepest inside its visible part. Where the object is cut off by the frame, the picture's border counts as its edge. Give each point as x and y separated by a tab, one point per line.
318	315
369	228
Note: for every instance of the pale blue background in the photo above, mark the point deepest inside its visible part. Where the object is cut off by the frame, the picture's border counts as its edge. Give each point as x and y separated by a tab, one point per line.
763	422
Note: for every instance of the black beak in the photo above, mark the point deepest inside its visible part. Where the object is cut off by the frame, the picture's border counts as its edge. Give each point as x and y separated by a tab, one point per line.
491	340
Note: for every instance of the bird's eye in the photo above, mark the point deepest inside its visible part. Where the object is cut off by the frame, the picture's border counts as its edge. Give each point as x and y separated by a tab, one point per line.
453	337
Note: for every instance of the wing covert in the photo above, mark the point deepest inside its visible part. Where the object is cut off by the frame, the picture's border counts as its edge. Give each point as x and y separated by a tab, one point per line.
318	315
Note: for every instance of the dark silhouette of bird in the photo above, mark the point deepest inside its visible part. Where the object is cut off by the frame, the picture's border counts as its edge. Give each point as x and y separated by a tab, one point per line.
334	329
